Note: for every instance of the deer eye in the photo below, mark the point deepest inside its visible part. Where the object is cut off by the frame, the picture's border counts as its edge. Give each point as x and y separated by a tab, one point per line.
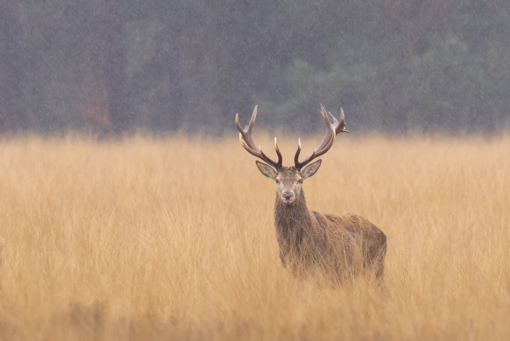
277	181
300	181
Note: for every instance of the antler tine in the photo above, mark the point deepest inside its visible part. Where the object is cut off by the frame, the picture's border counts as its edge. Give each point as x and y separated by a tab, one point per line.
339	126
332	130
298	164
280	158
252	120
330	133
296	157
247	142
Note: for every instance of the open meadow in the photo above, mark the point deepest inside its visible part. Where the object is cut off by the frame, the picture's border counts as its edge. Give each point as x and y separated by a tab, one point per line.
173	239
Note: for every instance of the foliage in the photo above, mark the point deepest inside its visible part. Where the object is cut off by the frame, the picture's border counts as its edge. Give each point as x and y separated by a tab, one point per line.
394	65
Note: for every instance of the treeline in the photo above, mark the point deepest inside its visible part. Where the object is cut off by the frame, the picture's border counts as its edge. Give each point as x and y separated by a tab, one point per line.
118	66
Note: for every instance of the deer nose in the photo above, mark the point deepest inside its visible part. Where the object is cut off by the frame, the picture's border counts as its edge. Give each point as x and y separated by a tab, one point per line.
287	195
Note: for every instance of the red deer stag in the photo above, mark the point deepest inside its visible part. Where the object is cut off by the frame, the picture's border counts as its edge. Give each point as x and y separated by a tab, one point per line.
308	240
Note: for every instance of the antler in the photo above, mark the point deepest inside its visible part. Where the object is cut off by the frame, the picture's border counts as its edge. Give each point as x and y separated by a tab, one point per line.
251	147
333	129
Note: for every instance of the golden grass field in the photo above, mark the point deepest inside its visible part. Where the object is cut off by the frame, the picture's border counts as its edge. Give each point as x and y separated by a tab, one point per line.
173	239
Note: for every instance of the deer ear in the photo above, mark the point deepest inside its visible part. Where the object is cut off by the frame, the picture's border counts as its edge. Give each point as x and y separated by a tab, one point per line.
266	170
311	169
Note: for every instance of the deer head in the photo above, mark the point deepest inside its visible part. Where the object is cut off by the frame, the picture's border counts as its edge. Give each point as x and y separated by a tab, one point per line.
289	179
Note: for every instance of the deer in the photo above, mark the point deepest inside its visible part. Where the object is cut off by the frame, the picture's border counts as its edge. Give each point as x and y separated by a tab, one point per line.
312	242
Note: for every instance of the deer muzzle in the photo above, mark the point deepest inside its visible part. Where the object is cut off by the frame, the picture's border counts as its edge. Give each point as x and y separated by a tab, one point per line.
288	197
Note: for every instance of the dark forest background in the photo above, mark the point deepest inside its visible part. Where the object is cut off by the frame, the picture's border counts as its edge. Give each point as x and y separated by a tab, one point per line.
395	66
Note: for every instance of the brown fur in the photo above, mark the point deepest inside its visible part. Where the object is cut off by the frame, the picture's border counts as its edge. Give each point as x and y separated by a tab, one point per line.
310	241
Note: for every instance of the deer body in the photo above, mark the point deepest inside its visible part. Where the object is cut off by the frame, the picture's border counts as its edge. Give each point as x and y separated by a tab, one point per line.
342	245
310	241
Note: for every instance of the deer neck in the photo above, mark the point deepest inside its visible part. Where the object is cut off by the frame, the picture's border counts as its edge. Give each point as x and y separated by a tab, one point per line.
294	217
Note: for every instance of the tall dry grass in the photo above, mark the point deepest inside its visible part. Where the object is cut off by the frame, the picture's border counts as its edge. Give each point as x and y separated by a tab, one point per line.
174	239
